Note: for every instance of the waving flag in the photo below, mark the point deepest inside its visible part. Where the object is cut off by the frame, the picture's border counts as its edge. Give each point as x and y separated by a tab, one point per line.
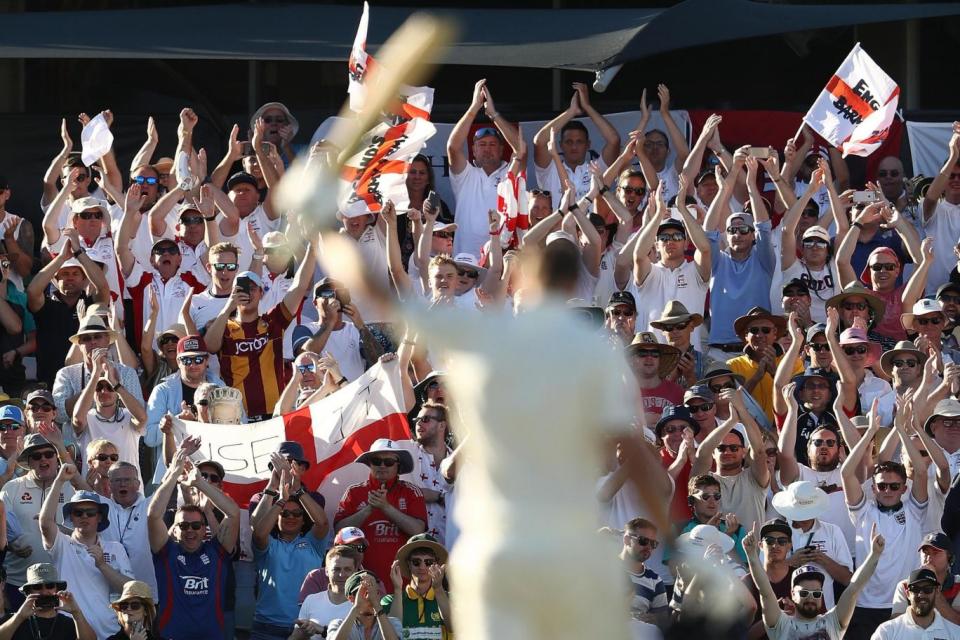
512	207
333	432
856	108
378	171
360	64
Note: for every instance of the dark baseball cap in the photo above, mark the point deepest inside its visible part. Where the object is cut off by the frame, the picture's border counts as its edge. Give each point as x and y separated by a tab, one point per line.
796	283
622	297
922	575
241	177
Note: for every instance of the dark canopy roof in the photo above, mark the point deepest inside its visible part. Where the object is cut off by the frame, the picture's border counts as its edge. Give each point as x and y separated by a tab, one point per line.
579	39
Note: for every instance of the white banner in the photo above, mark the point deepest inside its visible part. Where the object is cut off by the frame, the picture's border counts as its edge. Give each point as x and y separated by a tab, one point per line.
928	146
436	147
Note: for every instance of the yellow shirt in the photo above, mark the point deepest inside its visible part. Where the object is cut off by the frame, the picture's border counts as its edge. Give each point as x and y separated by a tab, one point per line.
763	392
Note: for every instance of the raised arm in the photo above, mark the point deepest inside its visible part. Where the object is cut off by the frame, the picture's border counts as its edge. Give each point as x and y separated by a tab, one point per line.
48	512
849	432
301	282
156	527
769	603
787	363
919	463
611	138
852	491
510	132
939	183
788	241
128	230
646	238
457	142
214	335
703	252
51	217
758	466
693	162
52	173
541	155
918	279
230	525
718	209
842	260
848	600
146	152
592	248
789	470
840	362
704	455
677	139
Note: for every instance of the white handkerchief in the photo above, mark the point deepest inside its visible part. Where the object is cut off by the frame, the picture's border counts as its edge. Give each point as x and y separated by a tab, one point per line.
96	139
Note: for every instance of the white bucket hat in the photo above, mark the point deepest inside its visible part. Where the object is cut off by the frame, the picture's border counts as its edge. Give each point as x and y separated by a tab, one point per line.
802	500
702	536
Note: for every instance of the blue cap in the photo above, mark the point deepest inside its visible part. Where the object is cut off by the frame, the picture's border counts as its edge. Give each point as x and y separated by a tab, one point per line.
300	336
11	412
250	275
676	412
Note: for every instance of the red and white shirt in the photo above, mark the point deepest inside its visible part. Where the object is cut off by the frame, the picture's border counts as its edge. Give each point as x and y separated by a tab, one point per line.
170	294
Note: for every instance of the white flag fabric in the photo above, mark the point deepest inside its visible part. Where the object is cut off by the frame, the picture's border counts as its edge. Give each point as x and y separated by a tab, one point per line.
95	139
378	171
856	108
512	208
359	64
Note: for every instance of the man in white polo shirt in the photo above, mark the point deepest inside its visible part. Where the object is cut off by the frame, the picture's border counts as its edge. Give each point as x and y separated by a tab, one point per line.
921	620
475	185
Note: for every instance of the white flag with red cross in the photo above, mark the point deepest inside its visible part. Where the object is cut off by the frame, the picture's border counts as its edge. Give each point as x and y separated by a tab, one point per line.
856	108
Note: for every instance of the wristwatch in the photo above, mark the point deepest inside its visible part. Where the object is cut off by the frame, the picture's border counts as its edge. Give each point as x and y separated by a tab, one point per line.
117	386
271	493
79	251
211	218
297	494
258	256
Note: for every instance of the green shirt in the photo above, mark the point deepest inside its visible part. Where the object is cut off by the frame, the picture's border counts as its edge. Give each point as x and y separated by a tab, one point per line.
420	616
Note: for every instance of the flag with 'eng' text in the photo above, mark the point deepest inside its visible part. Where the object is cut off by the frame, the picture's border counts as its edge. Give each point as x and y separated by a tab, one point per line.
377	172
856	108
360	64
332	432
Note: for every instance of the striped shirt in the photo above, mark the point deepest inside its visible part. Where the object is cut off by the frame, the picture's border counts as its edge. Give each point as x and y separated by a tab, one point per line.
251	359
649	594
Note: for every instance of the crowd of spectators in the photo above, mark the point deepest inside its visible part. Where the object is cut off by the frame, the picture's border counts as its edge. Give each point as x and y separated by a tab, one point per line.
792	343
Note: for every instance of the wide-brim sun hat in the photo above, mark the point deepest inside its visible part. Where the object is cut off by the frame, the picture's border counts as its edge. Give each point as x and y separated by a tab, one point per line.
759	313
294	124
702	536
387	446
901	348
801	500
669	355
91	497
420	541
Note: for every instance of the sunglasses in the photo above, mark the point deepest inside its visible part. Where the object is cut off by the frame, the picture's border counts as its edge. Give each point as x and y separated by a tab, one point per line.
145	180
307	368
274	119
41	406
196	525
680	326
700	408
925	321
816	386
647	353
485	131
810	244
947	422
291	514
103	457
444	235
91	337
644	541
780	541
948	298
384	462
707	496
757	330
540	192
638	191
810	593
167	339
819	347
771	452
828	442
83	176
676	237
732	448
91	215
427	562
468	273
188	360
133	605
84	513
191	220
622	313
171	250
925	589
910	364
46	585
854	306
891	486
361	548
884	173
225	266
106	386
9	426
796	293
860	349
883	266
44	455
717	388
672	429
210	477
423	419
743	231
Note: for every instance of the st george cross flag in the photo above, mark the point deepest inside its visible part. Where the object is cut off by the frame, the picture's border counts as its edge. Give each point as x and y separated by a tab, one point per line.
378	171
512	207
333	432
855	110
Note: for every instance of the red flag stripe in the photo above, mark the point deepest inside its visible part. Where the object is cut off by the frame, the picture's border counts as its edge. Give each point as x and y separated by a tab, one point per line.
839	88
